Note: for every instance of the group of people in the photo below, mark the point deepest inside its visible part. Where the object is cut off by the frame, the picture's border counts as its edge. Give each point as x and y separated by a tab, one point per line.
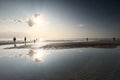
25	40
14	39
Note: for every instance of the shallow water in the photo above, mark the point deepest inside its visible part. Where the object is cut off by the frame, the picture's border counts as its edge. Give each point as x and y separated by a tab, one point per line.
62	64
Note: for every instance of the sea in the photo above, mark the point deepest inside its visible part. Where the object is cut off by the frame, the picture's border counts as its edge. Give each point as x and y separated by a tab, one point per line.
59	64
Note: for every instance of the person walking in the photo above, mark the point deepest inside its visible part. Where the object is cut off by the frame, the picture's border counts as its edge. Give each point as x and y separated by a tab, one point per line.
87	39
114	38
25	40
14	39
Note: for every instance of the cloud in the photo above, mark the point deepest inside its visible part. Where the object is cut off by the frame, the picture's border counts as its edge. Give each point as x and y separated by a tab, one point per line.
37	15
36	19
81	25
6	20
11	20
31	21
18	20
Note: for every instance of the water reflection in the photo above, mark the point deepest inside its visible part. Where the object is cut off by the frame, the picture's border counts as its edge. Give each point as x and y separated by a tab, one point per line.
36	55
63	64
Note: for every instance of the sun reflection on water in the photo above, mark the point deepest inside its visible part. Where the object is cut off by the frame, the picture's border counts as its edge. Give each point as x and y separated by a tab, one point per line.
37	55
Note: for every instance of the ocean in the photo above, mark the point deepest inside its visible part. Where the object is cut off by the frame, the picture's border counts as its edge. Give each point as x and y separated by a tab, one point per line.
60	64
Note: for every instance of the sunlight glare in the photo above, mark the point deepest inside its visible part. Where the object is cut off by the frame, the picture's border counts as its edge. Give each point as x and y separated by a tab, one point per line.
37	55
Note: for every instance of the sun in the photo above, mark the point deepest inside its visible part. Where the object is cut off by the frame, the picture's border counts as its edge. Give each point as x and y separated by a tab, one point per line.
39	20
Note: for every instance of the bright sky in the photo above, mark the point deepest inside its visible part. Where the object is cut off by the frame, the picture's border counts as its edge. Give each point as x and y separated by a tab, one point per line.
57	19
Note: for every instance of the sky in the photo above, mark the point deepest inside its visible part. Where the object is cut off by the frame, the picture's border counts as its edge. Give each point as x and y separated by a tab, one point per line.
59	18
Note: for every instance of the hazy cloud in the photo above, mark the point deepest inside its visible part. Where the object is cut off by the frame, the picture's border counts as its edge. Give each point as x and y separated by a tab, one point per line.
31	21
6	20
18	20
11	20
36	15
81	25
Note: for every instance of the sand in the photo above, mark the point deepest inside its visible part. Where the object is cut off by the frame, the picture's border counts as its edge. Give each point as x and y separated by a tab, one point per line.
65	45
11	42
96	44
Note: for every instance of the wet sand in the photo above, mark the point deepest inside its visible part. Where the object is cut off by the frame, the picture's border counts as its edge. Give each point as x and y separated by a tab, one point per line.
11	42
65	45
20	63
96	44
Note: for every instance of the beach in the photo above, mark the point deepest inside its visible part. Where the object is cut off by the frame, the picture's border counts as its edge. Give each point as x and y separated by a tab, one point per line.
99	44
59	40
66	44
6	42
64	60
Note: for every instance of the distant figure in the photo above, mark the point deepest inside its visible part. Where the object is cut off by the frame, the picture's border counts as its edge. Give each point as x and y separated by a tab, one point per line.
25	40
34	41
14	39
86	39
114	38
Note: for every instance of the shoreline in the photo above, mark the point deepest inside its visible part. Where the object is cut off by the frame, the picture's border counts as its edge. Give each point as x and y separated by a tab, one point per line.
11	42
93	44
66	45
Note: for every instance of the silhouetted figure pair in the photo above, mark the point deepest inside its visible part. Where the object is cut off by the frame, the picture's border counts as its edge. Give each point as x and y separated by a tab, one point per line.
14	39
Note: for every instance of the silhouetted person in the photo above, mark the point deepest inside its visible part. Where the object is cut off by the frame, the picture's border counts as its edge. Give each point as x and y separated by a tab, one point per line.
114	38
25	40
34	41
86	39
14	39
